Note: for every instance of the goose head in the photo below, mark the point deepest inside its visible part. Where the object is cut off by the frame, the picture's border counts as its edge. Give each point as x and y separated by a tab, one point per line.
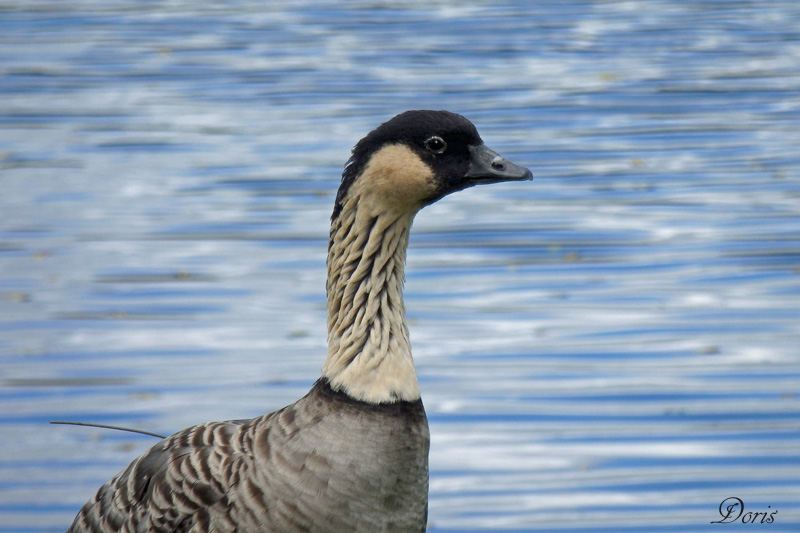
418	157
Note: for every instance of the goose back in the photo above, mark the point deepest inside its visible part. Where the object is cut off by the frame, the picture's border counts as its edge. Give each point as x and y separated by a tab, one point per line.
324	463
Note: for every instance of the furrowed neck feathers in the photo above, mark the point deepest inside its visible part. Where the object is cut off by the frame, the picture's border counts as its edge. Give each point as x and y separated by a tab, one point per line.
369	353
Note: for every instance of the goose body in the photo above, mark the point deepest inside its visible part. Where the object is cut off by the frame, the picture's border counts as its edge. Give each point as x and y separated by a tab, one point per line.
352	454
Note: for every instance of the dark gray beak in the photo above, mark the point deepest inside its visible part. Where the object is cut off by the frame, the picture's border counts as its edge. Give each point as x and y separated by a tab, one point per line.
487	166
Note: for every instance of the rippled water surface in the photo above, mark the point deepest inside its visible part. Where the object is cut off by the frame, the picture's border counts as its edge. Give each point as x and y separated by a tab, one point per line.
611	347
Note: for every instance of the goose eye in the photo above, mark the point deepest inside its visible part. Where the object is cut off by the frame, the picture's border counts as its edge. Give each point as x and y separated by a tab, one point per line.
436	144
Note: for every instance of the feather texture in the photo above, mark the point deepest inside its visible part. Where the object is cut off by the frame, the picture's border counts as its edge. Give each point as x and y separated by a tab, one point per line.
325	463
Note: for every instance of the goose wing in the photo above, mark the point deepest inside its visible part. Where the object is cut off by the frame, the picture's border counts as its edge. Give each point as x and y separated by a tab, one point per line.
324	463
209	477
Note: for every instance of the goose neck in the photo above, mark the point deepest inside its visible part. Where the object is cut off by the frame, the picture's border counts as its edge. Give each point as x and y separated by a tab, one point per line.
369	353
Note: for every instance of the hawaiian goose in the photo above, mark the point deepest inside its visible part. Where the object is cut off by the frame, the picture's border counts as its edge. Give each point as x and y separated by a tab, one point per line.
351	455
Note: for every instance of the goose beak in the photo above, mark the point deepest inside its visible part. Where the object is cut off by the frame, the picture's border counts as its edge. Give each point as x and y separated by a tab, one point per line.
487	166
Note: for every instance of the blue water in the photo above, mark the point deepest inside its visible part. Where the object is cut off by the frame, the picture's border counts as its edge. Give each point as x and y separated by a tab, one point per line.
614	347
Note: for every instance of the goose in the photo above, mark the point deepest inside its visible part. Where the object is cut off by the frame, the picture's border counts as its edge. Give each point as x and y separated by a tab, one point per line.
352	454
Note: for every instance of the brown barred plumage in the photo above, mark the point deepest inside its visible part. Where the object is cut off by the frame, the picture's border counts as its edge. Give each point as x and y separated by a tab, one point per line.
291	470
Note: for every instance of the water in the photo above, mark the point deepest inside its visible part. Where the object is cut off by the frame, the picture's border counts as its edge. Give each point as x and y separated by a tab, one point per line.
612	347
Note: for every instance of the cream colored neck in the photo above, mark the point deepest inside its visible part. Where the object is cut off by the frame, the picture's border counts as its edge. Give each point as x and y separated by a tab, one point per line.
369	354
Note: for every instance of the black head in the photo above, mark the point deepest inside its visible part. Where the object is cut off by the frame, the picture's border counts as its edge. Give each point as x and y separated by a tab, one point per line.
448	145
